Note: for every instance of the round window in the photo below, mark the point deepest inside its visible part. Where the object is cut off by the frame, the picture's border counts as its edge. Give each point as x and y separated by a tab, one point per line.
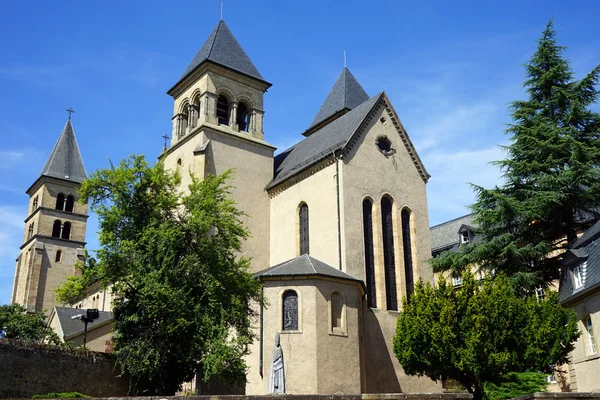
385	145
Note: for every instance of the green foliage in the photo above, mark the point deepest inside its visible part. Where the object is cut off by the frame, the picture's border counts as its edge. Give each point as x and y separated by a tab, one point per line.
182	293
551	176
64	395
515	384
26	326
73	290
479	332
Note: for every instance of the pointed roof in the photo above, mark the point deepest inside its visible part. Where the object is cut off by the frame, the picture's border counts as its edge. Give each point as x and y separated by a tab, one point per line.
345	95
65	160
222	48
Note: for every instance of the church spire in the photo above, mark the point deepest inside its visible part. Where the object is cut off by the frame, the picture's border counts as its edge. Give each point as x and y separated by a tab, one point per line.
222	48
345	95
65	160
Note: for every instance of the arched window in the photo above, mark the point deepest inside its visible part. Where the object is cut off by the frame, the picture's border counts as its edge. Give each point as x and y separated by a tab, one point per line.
58	256
243	117
56	228
304	238
60	201
369	255
69	204
35	203
290	311
30	233
66	231
407	246
337	313
389	259
223	110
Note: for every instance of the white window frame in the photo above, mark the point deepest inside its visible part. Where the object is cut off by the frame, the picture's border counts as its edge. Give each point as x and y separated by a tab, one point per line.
590	335
578	276
457	281
463	239
540	294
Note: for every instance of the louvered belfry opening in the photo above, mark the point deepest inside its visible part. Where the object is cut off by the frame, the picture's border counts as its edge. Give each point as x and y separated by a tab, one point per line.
389	259
243	119
407	246
60	202
369	254
223	110
304	237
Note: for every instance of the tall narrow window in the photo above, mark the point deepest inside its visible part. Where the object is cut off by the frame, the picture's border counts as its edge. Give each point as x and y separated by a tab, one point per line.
577	277
389	259
590	334
30	233
223	110
243	117
304	238
369	255
56	228
70	203
290	311
58	256
35	203
66	231
337	307
60	201
406	245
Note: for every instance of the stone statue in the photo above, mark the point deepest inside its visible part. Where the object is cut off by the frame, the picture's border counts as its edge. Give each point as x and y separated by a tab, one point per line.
277	369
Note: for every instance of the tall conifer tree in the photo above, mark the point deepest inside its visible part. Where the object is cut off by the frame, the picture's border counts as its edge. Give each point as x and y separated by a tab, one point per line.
551	187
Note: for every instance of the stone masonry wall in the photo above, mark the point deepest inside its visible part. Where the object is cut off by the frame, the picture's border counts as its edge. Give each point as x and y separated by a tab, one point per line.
28	369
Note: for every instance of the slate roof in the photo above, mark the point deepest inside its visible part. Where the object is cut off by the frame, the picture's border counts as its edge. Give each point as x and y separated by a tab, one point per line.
304	265
346	94
71	327
222	48
585	249
322	143
445	235
65	161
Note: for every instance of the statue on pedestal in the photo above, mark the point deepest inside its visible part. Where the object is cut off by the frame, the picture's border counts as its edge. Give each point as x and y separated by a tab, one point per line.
277	368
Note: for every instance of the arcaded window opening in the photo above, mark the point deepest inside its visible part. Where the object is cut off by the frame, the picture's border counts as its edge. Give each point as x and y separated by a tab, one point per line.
223	110
66	231
369	254
30	233
70	203
407	247
290	311
56	228
389	257
35	203
243	117
304	230
60	202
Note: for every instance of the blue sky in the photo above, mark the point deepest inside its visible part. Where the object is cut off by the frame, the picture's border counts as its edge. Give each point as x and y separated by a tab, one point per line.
449	68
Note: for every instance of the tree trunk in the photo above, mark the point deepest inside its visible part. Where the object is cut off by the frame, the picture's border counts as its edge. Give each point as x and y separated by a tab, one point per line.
570	226
478	392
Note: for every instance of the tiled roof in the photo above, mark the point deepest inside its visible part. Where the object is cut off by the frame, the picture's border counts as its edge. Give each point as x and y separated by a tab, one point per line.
346	94
322	143
445	235
222	48
65	160
71	326
304	265
585	252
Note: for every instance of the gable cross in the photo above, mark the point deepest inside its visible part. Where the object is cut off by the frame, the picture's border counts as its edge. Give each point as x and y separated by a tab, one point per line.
70	111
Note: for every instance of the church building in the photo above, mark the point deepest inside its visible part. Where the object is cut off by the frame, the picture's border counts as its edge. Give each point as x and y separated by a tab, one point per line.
339	224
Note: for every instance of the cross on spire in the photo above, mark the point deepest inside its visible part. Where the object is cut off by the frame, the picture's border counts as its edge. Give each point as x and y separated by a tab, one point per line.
70	111
166	137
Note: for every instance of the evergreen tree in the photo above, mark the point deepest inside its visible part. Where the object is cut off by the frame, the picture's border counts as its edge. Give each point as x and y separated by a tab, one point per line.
551	174
481	332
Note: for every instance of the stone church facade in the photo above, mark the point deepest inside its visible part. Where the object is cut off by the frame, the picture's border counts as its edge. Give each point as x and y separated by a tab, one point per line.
338	222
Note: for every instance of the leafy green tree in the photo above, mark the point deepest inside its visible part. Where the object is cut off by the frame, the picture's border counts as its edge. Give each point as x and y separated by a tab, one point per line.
26	326
515	384
73	290
551	176
183	294
480	332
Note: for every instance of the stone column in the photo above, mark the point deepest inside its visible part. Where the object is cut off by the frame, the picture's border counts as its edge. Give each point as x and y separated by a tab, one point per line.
193	116
210	107
233	106
257	123
174	134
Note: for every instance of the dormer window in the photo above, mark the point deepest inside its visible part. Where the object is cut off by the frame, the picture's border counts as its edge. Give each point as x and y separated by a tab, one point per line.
464	237
578	276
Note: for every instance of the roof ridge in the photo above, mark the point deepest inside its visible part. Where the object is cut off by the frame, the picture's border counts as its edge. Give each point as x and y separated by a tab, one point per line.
451	220
311	263
214	39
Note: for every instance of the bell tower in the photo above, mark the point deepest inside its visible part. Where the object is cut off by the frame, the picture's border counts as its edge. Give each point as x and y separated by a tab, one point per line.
54	228
218	125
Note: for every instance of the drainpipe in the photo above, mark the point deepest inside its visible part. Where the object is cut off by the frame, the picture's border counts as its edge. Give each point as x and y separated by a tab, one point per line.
339	220
260	340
